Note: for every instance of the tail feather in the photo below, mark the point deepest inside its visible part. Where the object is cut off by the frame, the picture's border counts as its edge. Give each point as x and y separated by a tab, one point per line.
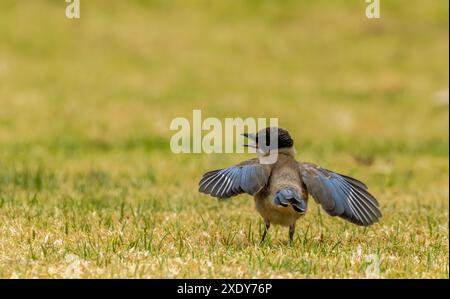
288	196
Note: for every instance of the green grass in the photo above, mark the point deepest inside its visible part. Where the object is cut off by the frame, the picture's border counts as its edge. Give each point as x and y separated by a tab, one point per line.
89	187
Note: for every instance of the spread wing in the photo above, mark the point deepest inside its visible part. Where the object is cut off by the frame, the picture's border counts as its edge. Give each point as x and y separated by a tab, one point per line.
340	195
246	177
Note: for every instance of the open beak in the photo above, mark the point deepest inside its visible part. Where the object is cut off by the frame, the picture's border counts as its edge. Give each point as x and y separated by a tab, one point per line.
252	137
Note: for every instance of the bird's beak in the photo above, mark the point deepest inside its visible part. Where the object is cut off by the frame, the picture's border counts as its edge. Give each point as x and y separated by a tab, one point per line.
252	137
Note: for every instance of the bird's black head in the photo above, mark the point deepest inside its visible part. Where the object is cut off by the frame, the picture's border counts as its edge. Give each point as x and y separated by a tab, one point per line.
282	136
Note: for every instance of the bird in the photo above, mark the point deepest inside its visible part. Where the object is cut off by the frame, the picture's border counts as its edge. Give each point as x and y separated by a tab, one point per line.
282	187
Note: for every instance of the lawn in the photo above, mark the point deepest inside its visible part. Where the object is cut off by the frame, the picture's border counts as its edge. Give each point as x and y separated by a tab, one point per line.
88	184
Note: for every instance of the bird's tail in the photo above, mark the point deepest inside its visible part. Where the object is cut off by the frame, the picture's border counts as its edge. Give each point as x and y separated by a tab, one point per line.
288	196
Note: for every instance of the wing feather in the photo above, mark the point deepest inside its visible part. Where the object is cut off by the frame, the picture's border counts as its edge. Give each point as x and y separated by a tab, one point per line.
340	195
246	177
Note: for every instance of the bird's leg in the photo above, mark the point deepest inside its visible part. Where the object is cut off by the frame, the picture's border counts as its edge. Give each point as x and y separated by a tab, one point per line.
291	233
267	225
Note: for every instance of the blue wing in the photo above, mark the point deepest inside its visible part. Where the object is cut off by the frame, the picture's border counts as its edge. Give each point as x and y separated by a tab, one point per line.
340	195
247	177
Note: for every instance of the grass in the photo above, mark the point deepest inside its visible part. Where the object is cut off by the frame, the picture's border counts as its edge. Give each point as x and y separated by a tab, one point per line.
89	187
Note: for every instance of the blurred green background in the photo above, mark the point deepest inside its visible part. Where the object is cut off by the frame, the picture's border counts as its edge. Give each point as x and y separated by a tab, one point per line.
85	109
